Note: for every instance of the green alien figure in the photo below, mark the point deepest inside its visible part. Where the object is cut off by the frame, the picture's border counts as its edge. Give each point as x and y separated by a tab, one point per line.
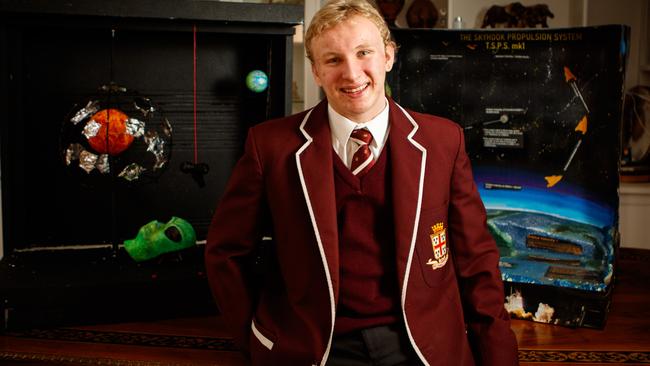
156	238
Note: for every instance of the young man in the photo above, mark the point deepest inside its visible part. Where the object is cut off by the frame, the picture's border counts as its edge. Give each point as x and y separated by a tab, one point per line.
380	255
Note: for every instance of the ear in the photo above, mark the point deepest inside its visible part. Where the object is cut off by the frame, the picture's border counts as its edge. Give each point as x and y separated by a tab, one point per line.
314	72
390	56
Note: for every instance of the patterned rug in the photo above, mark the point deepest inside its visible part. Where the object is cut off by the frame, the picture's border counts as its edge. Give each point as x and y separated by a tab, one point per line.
584	357
226	344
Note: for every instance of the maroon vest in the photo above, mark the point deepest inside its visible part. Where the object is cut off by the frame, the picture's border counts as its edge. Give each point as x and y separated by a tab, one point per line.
368	291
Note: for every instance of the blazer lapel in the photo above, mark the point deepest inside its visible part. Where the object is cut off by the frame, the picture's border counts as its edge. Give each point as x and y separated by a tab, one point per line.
316	172
408	160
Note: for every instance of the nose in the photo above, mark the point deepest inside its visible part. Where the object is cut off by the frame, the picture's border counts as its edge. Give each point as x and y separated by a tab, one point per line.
352	69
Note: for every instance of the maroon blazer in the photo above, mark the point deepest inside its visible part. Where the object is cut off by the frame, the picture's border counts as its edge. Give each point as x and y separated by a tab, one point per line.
452	298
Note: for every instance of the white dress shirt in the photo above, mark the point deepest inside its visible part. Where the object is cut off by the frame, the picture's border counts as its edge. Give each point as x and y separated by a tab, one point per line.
342	127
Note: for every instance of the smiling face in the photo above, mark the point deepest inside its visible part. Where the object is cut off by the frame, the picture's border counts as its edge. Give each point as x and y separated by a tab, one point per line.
350	63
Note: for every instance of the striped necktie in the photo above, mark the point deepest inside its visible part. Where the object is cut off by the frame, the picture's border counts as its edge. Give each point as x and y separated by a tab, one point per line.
362	160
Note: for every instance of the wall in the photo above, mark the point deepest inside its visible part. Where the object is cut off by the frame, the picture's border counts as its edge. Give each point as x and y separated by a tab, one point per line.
634	212
635	15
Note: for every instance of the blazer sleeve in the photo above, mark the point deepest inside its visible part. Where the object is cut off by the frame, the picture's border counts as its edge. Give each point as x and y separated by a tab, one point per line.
477	265
232	237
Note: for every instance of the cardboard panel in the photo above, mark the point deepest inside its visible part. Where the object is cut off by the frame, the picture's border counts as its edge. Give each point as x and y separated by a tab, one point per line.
541	113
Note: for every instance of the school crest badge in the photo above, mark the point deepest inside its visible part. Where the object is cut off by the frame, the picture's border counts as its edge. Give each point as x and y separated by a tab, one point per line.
439	244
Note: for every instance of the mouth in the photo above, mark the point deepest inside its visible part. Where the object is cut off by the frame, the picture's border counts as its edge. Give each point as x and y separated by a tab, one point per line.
356	90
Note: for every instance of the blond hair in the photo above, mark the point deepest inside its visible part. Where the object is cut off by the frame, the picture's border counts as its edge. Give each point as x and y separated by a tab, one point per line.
335	12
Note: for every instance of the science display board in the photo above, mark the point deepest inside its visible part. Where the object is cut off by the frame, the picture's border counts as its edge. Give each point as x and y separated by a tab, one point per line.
121	123
541	112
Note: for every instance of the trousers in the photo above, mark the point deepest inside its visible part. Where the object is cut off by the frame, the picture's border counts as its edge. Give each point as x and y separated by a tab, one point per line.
386	345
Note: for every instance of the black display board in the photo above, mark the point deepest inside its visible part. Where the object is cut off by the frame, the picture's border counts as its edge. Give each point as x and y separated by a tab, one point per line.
541	112
58	57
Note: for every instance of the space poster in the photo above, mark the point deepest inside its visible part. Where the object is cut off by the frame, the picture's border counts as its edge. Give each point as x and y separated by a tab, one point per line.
541	112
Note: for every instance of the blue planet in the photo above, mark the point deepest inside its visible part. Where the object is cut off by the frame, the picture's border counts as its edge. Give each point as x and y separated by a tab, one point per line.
257	81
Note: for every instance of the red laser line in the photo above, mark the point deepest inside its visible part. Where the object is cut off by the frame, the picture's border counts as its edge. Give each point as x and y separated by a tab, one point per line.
196	153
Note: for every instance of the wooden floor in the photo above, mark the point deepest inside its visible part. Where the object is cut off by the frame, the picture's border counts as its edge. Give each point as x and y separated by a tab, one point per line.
199	341
625	339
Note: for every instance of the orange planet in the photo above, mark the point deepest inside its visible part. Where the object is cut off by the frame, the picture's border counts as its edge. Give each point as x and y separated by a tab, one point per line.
118	138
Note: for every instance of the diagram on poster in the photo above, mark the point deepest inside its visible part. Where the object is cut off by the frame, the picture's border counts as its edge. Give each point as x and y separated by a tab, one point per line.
541	114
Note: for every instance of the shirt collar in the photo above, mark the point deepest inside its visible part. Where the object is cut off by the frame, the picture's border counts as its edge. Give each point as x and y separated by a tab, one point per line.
342	127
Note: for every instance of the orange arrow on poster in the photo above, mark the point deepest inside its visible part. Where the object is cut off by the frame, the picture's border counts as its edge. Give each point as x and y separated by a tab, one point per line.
568	75
582	125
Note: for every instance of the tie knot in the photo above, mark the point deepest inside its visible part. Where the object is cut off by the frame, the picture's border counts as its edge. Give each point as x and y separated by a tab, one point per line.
361	136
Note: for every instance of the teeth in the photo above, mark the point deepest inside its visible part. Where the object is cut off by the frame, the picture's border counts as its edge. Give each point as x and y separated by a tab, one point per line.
357	89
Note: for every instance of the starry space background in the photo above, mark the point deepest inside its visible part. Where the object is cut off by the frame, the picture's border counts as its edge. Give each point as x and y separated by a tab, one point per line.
461	74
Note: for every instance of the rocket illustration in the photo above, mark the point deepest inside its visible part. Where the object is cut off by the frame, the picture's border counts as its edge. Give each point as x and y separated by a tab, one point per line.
502	119
581	129
571	80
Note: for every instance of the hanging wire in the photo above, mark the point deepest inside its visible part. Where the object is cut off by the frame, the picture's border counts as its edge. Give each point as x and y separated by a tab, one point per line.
114	223
196	152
